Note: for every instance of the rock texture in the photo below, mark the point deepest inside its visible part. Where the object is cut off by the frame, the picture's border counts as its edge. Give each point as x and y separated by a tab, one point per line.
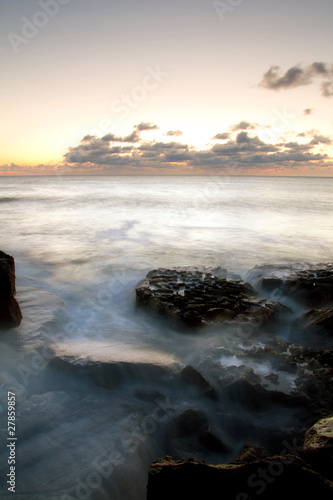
318	446
10	312
270	478
198	297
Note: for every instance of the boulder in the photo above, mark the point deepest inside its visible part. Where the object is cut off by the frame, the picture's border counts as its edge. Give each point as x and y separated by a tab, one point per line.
200	297
318	446
311	288
270	478
10	312
317	321
193	377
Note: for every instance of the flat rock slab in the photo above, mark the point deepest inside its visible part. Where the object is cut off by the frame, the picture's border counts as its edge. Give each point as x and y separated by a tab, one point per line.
110	363
199	297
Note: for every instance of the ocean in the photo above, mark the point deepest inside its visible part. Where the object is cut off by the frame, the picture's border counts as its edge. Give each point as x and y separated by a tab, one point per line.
82	244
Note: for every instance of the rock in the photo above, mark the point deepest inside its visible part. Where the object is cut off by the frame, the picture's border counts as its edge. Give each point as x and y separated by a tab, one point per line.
193	377
189	421
315	321
312	288
10	312
110	364
271	478
251	452
268	284
195	298
251	396
318	446
211	440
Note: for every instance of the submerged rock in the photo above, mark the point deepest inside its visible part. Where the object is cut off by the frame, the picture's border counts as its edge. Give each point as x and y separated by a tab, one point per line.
193	377
10	312
196	298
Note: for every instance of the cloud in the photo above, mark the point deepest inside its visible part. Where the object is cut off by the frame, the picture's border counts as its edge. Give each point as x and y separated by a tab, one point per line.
222	137
308	111
297	76
174	133
242	137
146	126
243	125
321	139
241	154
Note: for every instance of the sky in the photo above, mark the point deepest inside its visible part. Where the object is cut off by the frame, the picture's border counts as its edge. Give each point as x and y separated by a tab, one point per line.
188	87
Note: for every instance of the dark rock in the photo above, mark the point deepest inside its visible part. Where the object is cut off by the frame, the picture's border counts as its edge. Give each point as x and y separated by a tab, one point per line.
312	288
10	312
189	421
179	480
193	377
268	284
318	446
197	298
315	321
251	452
251	396
211	440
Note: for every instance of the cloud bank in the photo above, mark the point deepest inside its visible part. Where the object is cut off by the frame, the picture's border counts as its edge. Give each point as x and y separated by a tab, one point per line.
242	152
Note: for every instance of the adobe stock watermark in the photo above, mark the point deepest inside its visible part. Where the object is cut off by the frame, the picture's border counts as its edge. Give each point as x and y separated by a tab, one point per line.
263	478
223	8
103	466
154	76
31	27
278	124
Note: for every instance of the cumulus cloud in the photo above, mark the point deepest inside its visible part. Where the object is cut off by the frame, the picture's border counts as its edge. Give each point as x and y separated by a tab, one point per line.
242	153
243	125
146	126
297	76
222	137
321	139
174	133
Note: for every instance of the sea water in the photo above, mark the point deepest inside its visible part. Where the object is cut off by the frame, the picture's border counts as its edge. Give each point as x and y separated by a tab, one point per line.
82	244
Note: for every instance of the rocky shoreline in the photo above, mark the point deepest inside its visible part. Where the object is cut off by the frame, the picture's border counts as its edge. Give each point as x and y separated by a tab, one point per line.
202	298
249	417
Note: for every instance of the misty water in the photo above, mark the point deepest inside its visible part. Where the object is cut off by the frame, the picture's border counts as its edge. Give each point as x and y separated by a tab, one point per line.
81	246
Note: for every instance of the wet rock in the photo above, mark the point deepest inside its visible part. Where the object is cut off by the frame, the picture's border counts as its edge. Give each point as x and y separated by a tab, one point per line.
318	446
193	377
268	284
251	396
211	440
251	452
312	288
179	479
110	364
317	321
10	312
189	421
196	298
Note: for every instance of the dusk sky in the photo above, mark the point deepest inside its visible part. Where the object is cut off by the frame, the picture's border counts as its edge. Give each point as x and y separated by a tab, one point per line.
224	87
